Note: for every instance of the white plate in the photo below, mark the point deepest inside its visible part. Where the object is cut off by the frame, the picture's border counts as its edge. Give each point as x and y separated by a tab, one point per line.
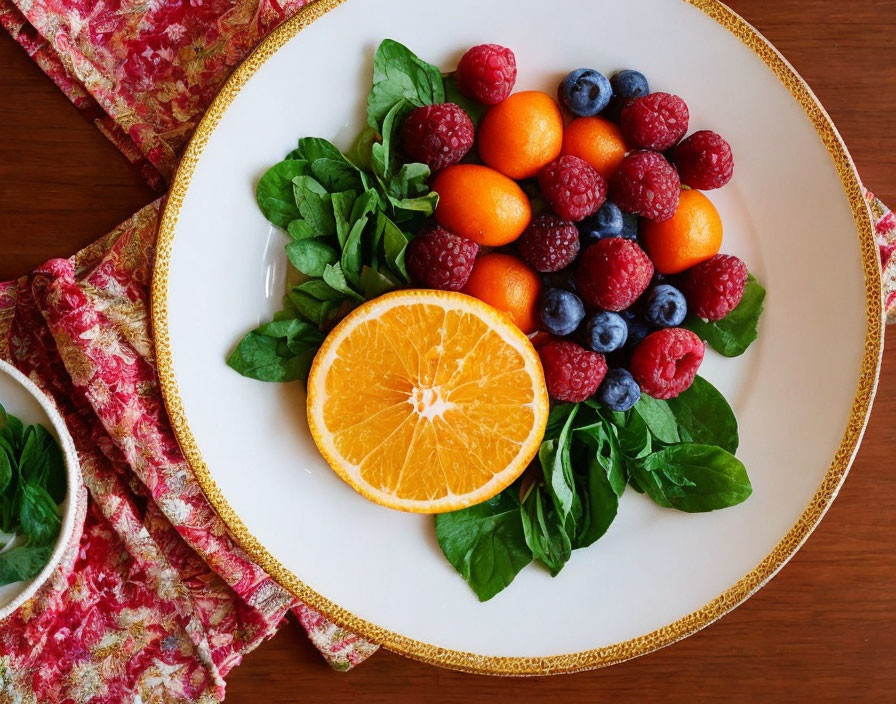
23	399
794	212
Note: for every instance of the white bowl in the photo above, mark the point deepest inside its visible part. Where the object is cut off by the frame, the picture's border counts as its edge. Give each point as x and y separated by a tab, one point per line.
22	398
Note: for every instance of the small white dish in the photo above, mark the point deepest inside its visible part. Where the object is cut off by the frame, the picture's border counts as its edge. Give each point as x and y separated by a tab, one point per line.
21	398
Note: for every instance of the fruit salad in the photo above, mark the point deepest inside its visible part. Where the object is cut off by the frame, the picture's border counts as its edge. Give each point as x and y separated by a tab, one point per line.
506	298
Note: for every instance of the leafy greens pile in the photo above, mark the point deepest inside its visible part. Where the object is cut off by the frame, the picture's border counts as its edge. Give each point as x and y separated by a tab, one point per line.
679	452
349	217
32	485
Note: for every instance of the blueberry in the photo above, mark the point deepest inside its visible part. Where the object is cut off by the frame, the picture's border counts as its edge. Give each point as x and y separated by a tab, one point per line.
665	307
585	92
629	226
561	312
606	332
638	328
606	222
629	85
619	391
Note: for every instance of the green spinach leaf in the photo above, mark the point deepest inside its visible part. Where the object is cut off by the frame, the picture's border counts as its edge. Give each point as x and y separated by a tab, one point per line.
557	467
315	205
398	75
733	334
704	414
279	351
693	478
659	419
544	531
486	543
23	563
275	194
312	256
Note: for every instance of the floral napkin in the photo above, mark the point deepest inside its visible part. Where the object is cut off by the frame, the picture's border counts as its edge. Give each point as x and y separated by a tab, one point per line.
154	602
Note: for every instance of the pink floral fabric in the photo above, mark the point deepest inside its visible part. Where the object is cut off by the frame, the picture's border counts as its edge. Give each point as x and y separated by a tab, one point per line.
158	600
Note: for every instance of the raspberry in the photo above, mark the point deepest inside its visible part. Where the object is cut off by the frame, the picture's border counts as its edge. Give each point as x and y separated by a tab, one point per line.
656	121
572	373
613	274
440	259
549	243
704	161
666	362
487	73
645	184
715	287
572	187
438	135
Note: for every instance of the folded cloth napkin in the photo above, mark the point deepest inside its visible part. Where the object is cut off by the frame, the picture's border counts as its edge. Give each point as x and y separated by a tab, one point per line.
154	598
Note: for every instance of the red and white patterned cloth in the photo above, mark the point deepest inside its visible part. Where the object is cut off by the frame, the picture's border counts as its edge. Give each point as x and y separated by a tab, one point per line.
154	602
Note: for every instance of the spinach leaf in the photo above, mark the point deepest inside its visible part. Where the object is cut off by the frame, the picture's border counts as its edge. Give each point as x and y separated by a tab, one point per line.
337	175
557	467
300	230
374	283
351	260
410	181
473	108
317	311
635	440
395	243
38	515
693	478
659	418
544	531
275	194
5	470
557	419
23	563
704	414
381	152
604	450
486	543
312	256
315	205
398	75
732	335
334	276
279	351
321	290
600	502
314	148
41	462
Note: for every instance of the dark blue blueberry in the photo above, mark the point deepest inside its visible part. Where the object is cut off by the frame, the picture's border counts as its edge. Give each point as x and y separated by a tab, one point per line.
606	222
628	85
619	391
629	226
665	307
585	92
606	332
561	312
638	328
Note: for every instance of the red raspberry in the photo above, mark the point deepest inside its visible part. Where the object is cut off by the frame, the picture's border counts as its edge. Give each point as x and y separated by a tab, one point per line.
549	243
715	287
656	121
704	161
646	184
487	73
438	135
613	274
666	362
572	187
572	373
440	259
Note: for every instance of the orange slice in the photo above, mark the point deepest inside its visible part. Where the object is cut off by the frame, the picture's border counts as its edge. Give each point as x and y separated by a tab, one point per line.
427	401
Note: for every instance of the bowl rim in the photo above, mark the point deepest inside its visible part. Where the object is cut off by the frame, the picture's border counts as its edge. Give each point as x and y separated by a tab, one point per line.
866	386
69	504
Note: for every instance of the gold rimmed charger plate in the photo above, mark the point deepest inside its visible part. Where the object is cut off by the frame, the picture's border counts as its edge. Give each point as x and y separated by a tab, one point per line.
865	384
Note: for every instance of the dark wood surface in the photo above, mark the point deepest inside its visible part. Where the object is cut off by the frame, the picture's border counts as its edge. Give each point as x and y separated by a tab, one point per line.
822	630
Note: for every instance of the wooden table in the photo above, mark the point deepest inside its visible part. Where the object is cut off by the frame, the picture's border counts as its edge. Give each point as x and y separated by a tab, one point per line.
823	630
